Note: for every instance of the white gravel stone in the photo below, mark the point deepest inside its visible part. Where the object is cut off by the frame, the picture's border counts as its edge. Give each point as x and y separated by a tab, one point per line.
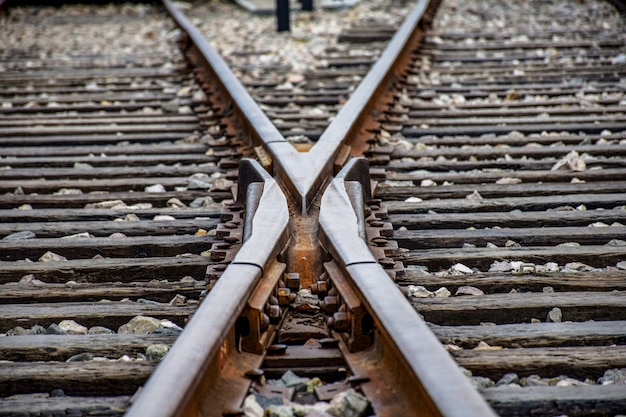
460	269
569	382
443	292
508	181
30	280
501	266
550	267
83	235
71	327
481	382
109	204
156	352
485	346
222	184
163	217
348	404
555	315
252	408
475	196
52	257
198	184
419	291
175	203
613	376
598	224
156	188
26	234
468	290
140	325
69	191
167	324
178	300
579	266
99	330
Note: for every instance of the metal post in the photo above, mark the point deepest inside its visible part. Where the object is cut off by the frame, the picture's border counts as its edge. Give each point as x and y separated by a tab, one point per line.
307	5
282	15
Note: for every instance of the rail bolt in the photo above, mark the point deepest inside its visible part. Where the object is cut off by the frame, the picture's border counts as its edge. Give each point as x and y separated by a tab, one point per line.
293	280
285	297
233	240
375	223
322	287
380	241
274	312
387	263
329	305
340	322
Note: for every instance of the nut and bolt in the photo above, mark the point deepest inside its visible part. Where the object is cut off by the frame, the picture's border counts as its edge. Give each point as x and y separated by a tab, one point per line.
380	241
274	313
375	223
329	305
285	296
339	322
231	225
387	263
292	280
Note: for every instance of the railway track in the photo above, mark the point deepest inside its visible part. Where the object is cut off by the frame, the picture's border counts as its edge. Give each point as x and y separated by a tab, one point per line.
505	190
109	205
493	197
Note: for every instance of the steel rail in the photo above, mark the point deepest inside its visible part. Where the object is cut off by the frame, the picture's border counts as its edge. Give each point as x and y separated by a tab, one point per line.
409	349
351	122
289	165
305	173
203	346
433	376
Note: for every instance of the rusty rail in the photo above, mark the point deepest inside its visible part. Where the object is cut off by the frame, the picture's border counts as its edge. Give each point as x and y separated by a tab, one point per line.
433	378
229	333
200	355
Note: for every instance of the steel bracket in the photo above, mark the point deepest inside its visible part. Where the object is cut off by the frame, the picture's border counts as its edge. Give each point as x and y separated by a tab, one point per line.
347	315
262	313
